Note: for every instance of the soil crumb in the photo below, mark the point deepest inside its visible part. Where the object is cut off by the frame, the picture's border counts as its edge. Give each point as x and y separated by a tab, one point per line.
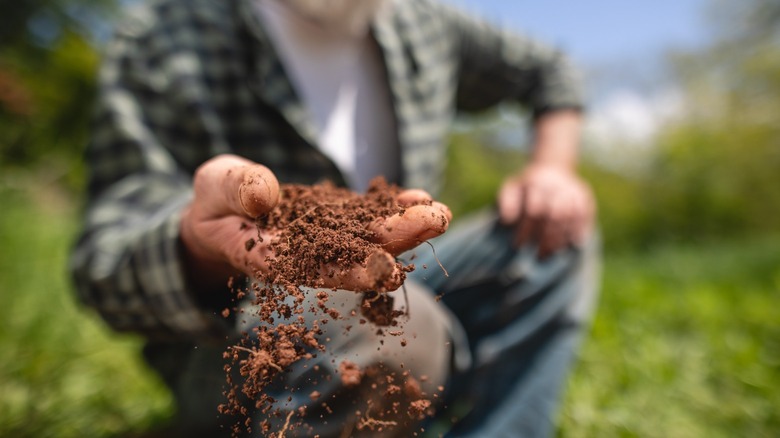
320	233
350	374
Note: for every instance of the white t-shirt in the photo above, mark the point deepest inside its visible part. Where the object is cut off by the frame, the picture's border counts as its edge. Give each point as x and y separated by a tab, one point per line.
340	77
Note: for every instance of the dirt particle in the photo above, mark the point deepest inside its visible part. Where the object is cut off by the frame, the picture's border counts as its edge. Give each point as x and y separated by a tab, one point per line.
350	373
419	408
313	227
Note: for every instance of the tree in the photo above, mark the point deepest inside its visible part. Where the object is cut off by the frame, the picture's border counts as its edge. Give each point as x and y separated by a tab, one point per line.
48	62
716	170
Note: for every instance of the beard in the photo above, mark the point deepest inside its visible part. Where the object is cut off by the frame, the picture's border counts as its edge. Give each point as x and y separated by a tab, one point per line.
352	16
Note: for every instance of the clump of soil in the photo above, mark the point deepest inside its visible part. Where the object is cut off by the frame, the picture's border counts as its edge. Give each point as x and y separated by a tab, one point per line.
323	232
396	401
350	373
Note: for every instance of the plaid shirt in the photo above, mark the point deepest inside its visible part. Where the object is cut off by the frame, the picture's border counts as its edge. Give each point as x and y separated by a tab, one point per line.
185	80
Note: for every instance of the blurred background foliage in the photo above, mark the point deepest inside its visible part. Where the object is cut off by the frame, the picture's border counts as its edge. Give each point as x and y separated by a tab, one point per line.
48	61
712	172
686	341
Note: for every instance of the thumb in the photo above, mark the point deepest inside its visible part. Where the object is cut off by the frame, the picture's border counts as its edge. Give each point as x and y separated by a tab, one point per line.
231	185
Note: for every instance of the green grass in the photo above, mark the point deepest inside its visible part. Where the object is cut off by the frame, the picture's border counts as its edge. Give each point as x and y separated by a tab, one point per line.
62	372
686	342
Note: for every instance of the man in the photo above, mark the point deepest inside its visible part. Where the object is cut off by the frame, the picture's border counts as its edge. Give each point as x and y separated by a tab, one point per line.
341	90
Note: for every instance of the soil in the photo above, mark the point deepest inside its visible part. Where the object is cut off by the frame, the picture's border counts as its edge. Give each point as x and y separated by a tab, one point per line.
319	225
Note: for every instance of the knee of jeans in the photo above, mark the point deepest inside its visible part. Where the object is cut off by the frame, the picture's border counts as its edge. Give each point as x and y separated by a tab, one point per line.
364	366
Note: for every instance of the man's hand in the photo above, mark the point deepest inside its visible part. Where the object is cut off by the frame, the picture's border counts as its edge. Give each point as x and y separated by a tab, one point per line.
547	205
230	192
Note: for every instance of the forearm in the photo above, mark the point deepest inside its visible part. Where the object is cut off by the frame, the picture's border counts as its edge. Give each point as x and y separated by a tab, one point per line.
557	139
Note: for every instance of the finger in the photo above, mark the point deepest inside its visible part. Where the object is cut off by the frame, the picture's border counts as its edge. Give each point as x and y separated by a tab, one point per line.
402	232
580	213
529	225
380	273
586	223
554	234
228	184
526	231
554	238
258	191
410	197
510	201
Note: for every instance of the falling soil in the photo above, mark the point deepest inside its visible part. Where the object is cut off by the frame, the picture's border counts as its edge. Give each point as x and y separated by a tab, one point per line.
323	232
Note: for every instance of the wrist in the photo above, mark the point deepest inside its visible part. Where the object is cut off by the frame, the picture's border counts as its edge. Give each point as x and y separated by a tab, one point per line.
556	140
558	161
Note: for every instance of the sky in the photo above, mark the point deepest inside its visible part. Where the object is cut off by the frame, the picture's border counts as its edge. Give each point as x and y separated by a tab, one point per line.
601	30
620	45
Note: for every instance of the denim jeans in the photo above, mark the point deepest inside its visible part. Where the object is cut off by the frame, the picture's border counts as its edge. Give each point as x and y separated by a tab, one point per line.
523	318
515	323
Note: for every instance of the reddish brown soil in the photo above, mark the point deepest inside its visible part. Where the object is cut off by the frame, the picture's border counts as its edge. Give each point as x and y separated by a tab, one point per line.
320	225
350	374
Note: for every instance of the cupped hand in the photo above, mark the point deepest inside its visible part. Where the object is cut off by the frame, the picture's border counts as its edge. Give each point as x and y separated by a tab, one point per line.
549	206
230	192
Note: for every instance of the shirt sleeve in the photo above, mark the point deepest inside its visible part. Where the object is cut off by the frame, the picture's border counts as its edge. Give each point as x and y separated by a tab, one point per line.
127	262
498	65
